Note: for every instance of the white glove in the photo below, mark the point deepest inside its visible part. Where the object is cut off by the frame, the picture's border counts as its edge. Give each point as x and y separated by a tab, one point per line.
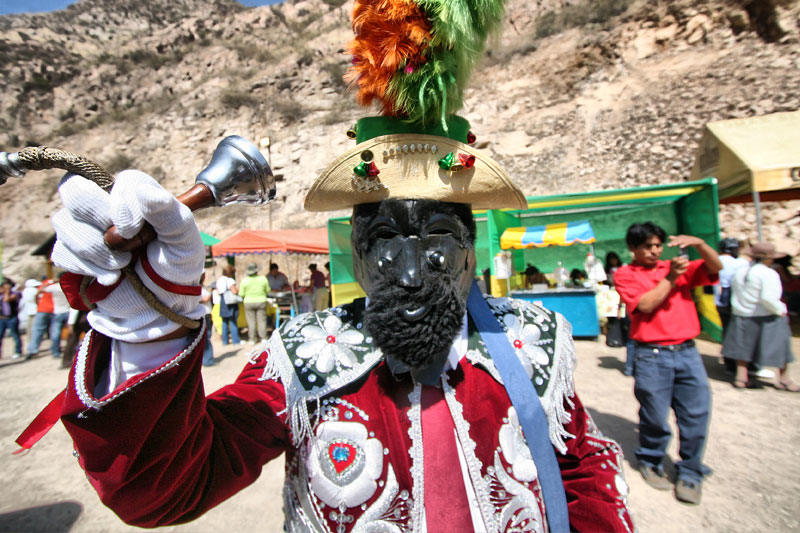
177	254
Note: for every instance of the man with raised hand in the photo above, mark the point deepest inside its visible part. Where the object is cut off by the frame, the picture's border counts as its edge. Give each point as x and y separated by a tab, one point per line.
668	370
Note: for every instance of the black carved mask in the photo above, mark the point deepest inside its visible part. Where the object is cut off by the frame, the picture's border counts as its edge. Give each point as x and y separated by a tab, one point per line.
415	260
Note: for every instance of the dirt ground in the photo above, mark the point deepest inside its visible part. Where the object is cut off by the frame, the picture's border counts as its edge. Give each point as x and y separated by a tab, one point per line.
753	449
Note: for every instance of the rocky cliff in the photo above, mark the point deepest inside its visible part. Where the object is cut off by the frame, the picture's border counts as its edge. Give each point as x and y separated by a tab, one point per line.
571	96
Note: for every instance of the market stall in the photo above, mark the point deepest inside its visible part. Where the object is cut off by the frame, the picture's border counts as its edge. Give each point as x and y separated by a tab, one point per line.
689	207
297	242
576	303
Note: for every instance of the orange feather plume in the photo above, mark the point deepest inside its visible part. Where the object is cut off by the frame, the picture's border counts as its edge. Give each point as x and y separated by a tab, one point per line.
389	35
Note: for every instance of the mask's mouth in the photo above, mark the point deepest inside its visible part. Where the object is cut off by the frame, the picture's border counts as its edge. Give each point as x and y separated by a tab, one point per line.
415	314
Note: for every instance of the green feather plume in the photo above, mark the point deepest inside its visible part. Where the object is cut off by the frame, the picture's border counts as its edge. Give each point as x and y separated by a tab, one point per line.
435	89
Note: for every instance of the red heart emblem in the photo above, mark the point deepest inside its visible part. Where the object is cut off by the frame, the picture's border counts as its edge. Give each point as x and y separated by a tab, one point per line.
342	455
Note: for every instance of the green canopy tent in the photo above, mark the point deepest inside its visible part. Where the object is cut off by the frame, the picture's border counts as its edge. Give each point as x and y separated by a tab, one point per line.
208	242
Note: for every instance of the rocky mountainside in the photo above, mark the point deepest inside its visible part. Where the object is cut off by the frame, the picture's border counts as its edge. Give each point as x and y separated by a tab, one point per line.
572	96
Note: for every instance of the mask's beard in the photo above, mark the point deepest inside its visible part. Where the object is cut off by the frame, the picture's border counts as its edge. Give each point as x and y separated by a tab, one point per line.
415	343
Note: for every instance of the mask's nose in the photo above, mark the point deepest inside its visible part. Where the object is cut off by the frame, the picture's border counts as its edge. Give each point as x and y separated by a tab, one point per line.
407	264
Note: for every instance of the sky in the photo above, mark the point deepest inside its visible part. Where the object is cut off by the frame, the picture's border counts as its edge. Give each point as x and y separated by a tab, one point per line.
37	6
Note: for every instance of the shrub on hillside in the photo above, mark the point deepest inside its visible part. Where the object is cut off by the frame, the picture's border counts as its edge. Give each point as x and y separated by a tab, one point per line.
577	15
236	98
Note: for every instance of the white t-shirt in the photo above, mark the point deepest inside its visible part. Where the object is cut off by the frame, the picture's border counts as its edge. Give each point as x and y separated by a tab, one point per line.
756	291
730	265
206	305
224	284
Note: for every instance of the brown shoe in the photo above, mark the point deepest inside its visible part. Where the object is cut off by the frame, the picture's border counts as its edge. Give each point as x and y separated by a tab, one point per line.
655	477
688	491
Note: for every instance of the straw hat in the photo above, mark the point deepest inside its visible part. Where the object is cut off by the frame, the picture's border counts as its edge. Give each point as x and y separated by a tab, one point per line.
411	166
764	250
252	268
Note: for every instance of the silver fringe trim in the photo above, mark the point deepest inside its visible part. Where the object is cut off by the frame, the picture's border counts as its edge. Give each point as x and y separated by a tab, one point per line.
561	387
88	399
280	368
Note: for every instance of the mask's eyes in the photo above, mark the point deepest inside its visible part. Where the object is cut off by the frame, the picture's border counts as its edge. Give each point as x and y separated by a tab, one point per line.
440	230
442	226
384	230
436	259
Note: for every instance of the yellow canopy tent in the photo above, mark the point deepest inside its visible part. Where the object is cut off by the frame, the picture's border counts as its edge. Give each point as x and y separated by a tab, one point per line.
753	159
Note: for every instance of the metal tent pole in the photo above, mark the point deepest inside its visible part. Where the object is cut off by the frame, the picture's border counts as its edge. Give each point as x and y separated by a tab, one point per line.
757	203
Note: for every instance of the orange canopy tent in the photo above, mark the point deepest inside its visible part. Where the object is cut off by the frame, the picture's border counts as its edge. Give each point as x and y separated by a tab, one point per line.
286	241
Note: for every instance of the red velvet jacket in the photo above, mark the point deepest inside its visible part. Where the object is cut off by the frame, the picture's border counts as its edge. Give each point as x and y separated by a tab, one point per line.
159	452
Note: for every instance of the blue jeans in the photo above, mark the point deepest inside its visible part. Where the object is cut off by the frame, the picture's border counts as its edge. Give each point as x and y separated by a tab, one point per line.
208	350
230	323
43	322
630	356
676	379
12	324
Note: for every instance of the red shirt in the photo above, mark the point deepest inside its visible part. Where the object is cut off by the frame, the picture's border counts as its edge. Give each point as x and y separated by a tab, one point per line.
44	300
675	320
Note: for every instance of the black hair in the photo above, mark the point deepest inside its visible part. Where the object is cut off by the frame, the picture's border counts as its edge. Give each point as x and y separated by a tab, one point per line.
531	270
785	261
640	232
609	257
273	266
729	245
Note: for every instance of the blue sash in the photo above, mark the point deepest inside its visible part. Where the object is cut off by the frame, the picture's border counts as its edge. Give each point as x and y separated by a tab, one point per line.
526	402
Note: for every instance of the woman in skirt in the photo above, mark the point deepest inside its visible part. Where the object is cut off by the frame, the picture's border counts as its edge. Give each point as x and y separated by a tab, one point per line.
759	328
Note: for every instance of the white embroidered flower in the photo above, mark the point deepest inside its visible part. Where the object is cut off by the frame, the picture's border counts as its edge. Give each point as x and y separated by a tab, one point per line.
515	449
329	344
344	464
524	338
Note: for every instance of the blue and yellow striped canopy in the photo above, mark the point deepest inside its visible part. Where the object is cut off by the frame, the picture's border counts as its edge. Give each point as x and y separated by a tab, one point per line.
560	234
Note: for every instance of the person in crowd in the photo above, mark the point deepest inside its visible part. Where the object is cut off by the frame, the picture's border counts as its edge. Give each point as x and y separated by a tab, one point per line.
577	277
278	282
759	327
27	307
9	321
613	262
254	290
327	266
77	325
52	313
229	312
731	262
534	277
668	370
318	288
206	301
789	282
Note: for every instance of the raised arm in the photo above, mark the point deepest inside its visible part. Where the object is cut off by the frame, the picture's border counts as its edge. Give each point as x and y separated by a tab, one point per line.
707	253
155	449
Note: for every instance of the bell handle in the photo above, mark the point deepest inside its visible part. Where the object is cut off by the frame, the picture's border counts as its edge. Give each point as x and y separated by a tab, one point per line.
198	197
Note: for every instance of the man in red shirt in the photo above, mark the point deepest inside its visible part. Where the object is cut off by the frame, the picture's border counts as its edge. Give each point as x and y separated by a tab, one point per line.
668	369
